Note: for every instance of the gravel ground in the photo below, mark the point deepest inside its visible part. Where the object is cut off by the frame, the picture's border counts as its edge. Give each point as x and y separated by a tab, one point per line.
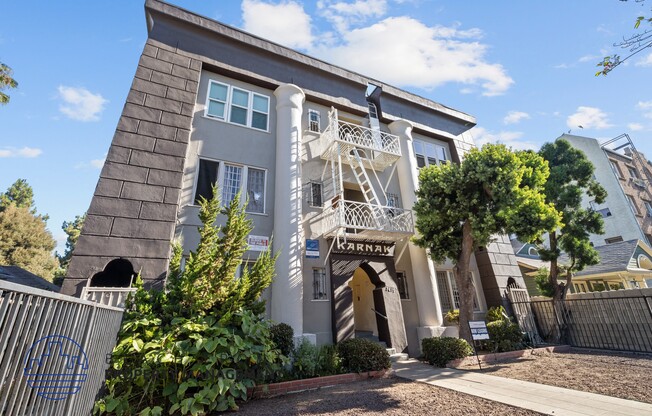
386	396
626	376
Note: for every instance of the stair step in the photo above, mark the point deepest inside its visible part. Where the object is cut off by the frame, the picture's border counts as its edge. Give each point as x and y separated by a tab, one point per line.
398	357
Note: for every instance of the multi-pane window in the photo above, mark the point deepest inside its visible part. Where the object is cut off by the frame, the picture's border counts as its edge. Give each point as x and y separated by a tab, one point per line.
314	121
315	194
648	208
319	289
633	173
237	105
231	184
601	209
632	204
256	190
612	240
449	296
231	179
429	153
616	168
401	283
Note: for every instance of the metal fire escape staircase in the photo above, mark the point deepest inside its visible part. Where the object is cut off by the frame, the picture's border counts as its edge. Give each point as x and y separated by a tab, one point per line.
366	150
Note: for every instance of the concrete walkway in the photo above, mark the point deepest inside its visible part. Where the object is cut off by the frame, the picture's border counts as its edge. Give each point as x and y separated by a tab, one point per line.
538	397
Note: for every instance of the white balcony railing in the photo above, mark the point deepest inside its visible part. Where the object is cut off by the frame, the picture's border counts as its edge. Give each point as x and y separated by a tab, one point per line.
109	296
358	218
380	149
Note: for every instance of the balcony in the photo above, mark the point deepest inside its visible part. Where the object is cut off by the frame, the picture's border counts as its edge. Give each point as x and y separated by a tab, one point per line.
381	149
368	221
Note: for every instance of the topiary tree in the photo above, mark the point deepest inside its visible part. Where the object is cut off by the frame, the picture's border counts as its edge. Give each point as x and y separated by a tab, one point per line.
460	206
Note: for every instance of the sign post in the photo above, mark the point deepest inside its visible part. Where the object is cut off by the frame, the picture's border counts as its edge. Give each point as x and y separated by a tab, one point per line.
479	332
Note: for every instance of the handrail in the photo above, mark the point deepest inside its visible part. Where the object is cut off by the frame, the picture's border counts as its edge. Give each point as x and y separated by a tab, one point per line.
378	313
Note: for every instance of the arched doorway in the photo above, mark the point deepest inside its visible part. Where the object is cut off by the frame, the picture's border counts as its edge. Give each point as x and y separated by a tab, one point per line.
364	317
117	273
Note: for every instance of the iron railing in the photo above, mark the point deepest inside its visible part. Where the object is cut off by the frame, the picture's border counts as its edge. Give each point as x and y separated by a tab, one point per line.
610	323
53	351
359	217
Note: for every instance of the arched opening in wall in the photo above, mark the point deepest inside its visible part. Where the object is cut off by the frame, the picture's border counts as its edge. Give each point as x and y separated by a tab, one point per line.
511	283
370	316
117	273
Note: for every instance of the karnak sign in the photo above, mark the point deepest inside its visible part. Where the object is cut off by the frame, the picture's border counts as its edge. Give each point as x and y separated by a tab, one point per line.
368	248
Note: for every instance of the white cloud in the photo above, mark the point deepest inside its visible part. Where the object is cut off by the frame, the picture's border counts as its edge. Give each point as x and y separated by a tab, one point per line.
647	61
514	117
25	152
94	164
588	117
481	136
645	107
285	23
589	58
418	55
635	126
343	14
81	104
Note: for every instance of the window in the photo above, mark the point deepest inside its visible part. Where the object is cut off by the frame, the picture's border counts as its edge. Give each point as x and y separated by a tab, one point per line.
429	153
648	208
394	202
256	190
632	205
314	121
237	105
612	240
401	283
616	169
245	265
633	173
601	209
319	290
231	180
315	195
449	297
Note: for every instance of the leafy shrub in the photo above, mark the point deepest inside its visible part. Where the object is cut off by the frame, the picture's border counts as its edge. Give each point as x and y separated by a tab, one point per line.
453	316
505	336
543	282
440	350
306	360
283	336
196	348
496	313
359	354
329	360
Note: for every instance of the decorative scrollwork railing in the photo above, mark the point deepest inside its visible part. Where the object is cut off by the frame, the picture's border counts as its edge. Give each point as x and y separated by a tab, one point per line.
358	217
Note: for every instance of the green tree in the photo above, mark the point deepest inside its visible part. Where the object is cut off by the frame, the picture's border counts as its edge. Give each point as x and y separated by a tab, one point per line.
204	339
634	44
73	230
20	194
25	241
460	206
571	175
6	81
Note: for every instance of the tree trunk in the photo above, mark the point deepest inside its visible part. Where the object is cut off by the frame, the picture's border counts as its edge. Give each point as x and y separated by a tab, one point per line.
465	282
558	292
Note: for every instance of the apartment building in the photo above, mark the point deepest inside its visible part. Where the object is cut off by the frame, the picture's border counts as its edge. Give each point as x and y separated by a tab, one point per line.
326	159
625	174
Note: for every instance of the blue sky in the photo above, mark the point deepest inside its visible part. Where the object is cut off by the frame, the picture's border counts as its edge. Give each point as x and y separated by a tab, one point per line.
525	70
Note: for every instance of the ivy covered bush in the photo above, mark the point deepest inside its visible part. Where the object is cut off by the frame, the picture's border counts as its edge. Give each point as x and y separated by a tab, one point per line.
440	350
360	354
198	346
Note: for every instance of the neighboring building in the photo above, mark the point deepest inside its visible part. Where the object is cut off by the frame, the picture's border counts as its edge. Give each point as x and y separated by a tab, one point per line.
623	265
15	274
329	170
625	174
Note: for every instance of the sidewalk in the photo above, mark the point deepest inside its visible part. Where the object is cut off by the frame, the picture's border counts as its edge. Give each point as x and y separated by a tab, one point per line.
538	397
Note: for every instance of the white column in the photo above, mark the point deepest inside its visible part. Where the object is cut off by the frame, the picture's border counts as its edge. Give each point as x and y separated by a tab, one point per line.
287	289
430	317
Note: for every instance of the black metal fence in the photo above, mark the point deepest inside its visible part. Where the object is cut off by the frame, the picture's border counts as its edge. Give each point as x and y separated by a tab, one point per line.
611	323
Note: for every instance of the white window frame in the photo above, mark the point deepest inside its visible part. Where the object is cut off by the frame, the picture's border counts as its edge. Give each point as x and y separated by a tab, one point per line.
452	288
228	104
324	284
633	172
243	182
310	122
435	148
616	169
